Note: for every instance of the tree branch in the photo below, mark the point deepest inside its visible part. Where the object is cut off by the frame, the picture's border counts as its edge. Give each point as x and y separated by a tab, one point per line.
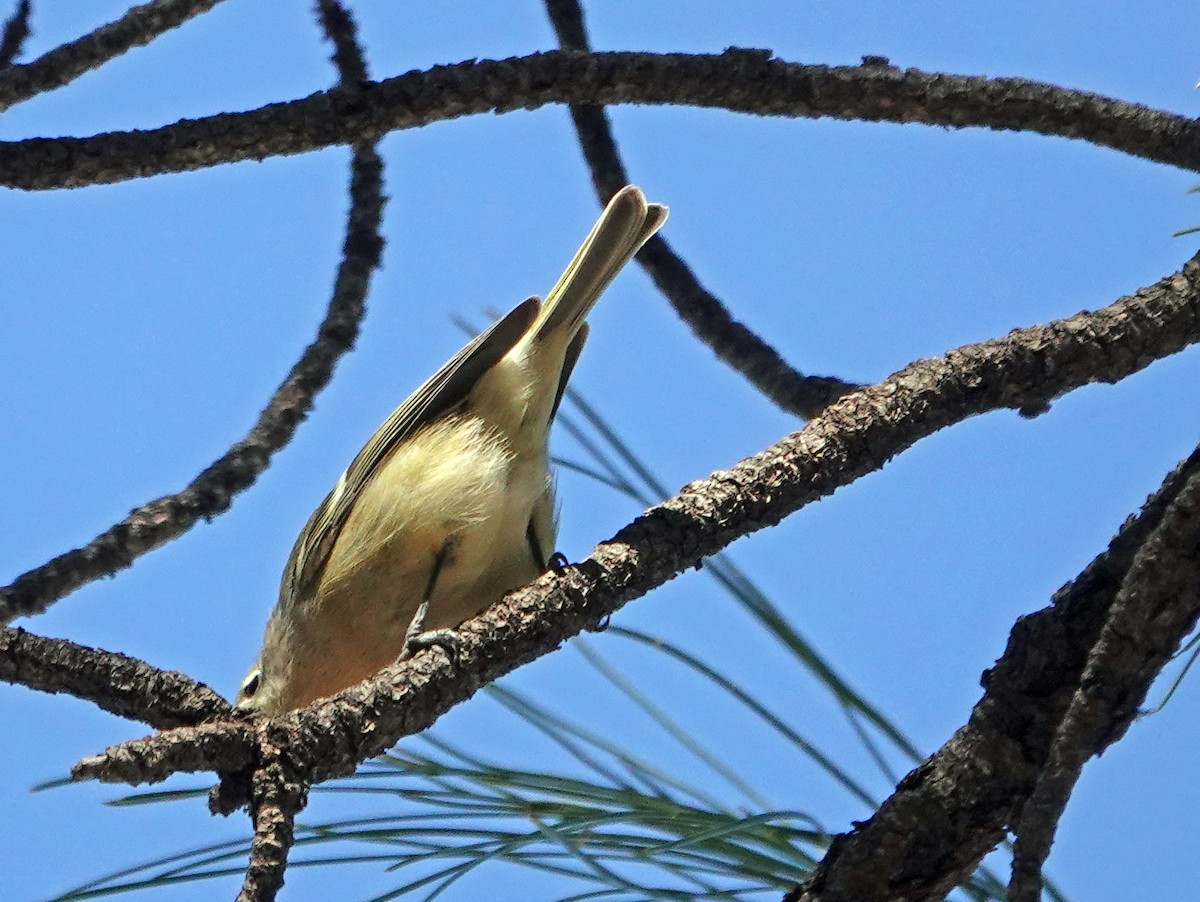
341	31
953	808
746	81
859	433
276	793
225	747
62	65
708	318
211	493
16	30
116	683
1154	609
276	797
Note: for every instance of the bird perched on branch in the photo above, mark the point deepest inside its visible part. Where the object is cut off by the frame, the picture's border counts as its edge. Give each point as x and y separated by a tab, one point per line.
450	504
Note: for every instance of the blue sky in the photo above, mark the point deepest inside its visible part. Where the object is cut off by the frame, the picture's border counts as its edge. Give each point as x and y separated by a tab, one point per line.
145	323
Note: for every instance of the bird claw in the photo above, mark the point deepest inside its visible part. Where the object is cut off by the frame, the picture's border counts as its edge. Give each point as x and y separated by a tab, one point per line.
416	638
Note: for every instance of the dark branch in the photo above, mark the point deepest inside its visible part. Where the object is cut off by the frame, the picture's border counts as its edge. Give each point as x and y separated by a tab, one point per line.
212	491
348	57
732	341
229	747
747	81
708	318
857	434
16	30
276	797
954	808
1154	609
117	683
64	64
233	742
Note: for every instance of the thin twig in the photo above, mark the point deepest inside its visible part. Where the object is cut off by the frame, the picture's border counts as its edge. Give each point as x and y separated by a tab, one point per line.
856	435
16	30
209	494
732	341
64	64
747	81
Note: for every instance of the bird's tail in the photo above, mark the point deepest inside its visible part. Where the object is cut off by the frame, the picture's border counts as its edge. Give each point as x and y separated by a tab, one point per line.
624	226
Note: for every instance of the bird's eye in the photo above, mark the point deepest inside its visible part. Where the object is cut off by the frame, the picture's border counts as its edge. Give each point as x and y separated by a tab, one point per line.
251	683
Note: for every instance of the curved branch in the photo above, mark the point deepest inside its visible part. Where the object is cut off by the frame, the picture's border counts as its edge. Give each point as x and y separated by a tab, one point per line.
953	808
747	81
734	342
254	766
157	522
857	434
1153	610
730	340
64	64
117	683
16	30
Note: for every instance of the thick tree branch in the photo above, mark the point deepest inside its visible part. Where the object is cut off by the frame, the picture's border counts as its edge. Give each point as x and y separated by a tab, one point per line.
64	64
275	799
858	434
1152	612
159	521
116	683
953	809
747	81
730	340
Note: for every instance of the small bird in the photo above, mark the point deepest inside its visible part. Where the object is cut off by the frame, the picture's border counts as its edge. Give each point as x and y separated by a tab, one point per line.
450	504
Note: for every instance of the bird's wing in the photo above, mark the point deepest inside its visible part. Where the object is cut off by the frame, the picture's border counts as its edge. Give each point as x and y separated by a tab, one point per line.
574	349
439	394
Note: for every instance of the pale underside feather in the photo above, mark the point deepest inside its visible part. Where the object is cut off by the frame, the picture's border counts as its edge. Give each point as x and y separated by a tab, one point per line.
451	493
438	395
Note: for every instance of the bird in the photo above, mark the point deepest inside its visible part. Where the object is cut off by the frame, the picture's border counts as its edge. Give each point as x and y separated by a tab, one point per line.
450	504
